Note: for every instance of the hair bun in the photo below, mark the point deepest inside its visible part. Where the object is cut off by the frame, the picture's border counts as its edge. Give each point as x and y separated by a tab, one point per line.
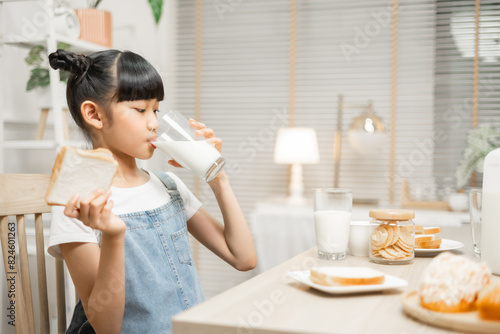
69	61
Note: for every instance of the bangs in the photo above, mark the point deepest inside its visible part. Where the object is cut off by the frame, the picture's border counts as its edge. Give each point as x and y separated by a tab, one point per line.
137	79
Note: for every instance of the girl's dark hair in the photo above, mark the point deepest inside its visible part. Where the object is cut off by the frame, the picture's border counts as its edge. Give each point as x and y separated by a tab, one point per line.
105	77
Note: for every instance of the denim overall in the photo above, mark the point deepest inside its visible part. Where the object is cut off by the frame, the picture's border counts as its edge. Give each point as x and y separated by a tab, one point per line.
161	279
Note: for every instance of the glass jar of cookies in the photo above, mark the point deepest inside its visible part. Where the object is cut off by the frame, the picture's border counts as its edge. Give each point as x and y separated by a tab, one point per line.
392	236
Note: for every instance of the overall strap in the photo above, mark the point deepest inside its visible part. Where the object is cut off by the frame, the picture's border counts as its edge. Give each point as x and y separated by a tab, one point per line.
169	184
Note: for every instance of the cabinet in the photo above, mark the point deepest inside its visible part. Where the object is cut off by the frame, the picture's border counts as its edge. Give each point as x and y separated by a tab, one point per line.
50	42
281	231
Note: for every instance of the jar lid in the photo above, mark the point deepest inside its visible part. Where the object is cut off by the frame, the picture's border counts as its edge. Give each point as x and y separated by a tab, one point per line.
392	214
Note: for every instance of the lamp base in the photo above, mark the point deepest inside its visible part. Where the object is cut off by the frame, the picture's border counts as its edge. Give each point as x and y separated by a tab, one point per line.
297	201
296	186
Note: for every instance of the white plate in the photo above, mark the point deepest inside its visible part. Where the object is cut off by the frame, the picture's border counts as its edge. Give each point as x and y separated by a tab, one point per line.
391	282
446	245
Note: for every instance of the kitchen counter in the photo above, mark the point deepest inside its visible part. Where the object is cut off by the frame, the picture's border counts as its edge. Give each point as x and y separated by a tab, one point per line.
273	303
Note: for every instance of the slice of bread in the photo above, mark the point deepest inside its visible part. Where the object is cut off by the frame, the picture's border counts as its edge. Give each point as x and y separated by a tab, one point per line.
419	229
78	171
425	237
432	230
421	238
346	276
434	244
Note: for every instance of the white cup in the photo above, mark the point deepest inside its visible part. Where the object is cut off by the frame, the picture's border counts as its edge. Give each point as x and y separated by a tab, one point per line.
359	238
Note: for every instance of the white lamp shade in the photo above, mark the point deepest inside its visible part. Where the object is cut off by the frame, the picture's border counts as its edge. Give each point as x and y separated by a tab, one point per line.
296	146
367	142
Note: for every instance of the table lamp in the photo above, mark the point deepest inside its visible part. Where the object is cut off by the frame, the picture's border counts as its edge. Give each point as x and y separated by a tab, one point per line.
296	146
367	134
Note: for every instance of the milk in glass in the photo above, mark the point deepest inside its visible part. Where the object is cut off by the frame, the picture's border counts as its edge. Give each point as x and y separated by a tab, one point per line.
332	231
198	156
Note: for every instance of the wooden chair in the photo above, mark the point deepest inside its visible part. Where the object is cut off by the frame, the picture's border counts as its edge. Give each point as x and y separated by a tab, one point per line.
22	195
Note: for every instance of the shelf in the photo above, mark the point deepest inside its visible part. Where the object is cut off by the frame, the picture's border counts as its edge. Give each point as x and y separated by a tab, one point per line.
29	144
23	122
77	45
39	144
34	122
46	39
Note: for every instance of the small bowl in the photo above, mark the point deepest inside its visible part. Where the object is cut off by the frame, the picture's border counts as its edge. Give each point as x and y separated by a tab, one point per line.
458	202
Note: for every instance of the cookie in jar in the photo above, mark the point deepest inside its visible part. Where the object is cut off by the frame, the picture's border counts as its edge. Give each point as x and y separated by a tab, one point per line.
392	236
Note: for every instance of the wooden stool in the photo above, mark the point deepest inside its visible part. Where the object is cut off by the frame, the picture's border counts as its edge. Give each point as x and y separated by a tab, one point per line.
43	122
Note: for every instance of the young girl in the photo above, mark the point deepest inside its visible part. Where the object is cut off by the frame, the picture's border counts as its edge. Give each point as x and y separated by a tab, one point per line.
127	248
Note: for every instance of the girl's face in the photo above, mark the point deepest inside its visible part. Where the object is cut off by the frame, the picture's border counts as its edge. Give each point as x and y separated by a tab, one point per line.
130	130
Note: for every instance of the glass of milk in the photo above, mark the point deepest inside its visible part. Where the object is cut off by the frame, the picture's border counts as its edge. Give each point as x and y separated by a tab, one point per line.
332	222
180	141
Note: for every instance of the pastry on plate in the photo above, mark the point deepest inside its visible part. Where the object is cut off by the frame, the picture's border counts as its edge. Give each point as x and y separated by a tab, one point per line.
488	302
451	283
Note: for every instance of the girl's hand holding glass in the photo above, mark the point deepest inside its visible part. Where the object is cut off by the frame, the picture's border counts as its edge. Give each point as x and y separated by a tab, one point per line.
202	130
207	133
190	144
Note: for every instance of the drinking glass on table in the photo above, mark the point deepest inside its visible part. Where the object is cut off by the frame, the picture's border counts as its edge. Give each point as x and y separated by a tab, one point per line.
475	210
180	141
332	221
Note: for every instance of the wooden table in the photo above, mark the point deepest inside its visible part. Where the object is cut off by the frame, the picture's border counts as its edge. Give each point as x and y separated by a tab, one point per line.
273	303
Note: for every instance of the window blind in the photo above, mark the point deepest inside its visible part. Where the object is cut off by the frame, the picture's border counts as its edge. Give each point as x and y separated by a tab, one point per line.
455	36
342	47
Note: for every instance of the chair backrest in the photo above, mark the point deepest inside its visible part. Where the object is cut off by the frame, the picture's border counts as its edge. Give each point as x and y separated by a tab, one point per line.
20	195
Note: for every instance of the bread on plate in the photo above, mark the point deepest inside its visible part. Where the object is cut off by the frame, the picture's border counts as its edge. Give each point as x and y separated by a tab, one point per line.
419	229
78	171
330	276
432	230
423	238
426	239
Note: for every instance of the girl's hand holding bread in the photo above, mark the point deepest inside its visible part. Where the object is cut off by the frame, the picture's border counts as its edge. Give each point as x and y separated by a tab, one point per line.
95	212
86	173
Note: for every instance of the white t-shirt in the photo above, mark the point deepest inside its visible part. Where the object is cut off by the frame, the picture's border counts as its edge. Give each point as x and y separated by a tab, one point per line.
148	196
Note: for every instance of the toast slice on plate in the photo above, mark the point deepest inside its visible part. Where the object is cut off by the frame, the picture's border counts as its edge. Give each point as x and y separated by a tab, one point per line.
346	276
